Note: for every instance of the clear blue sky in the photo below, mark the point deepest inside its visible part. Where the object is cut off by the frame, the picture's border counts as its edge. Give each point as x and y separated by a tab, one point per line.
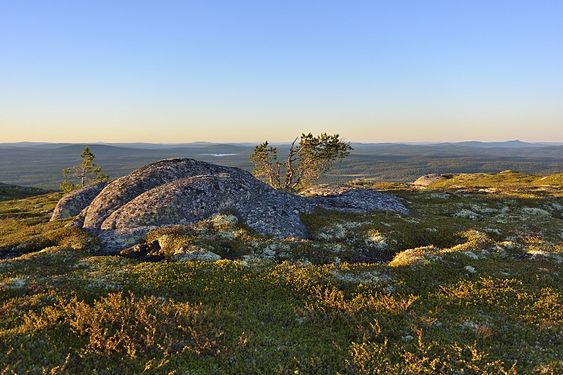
180	71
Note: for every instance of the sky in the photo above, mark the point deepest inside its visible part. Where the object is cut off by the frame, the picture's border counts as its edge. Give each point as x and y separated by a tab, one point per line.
238	71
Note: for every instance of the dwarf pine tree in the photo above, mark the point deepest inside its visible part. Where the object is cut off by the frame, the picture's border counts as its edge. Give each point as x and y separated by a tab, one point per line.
309	157
83	174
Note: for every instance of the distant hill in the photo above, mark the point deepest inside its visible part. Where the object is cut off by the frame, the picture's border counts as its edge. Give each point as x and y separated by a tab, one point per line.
16	192
505	144
40	164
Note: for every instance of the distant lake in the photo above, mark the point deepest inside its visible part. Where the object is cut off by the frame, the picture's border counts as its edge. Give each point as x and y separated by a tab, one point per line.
218	155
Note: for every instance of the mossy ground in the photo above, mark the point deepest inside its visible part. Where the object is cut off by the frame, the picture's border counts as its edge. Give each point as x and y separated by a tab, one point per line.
473	284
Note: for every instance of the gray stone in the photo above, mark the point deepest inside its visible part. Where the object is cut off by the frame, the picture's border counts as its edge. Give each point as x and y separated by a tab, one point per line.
184	191
74	202
195	253
430	179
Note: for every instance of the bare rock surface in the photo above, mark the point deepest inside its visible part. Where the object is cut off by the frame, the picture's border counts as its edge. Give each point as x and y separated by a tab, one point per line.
324	190
429	179
184	191
74	202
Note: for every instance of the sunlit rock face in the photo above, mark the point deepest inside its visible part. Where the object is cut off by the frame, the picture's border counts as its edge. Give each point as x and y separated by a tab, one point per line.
74	202
184	191
429	179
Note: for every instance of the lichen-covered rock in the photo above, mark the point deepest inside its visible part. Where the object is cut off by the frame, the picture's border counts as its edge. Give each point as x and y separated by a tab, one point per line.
324	190
360	201
184	191
195	253
126	188
74	202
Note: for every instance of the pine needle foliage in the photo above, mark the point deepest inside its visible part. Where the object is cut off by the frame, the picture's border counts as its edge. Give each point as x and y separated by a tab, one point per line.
308	158
83	174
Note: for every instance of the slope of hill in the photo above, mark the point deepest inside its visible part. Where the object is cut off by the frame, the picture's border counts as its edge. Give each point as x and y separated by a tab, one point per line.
18	192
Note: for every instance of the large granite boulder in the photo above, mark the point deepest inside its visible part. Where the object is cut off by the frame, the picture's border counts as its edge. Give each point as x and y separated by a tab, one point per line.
72	203
184	191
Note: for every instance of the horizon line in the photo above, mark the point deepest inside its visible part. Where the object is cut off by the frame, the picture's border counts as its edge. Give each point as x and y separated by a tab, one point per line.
279	142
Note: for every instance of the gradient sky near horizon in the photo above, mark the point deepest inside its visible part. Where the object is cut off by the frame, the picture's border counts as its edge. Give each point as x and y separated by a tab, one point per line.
377	71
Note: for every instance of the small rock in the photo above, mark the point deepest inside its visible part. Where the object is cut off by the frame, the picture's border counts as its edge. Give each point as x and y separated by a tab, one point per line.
466	214
470	269
195	253
144	252
430	179
470	254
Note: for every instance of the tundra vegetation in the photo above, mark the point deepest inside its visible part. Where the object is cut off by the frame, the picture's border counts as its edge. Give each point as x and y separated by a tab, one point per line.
470	283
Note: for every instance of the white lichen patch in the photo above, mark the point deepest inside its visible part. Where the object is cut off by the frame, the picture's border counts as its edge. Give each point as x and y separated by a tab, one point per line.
254	261
365	277
376	240
337	248
471	254
271	251
466	214
104	283
482	209
534	211
338	231
83	264
470	269
15	283
495	231
439	195
195	253
502	219
227	235
410	219
470	325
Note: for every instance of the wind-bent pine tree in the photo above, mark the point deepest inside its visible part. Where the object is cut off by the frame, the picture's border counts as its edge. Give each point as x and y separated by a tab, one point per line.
309	157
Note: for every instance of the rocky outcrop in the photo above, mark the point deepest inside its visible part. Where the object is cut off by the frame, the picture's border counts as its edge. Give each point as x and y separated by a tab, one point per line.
184	191
72	203
360	201
430	179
